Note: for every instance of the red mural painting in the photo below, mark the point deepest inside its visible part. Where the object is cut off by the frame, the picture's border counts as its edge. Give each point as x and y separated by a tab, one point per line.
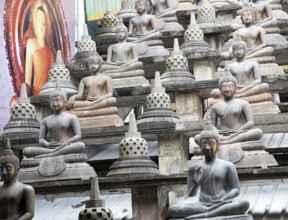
34	30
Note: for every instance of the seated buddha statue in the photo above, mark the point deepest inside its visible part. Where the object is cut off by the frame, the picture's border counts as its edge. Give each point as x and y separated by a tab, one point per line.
165	14
235	115
63	129
16	199
247	74
264	15
164	9
143	27
254	36
122	58
218	182
99	101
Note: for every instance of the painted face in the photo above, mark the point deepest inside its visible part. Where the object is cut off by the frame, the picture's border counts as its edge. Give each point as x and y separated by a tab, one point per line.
140	6
239	51
247	17
228	89
8	172
57	103
209	148
40	25
121	34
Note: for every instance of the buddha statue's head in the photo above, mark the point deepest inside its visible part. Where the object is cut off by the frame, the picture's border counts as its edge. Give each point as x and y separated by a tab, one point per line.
58	96
121	30
227	84
141	6
9	164
239	48
248	14
95	64
209	140
40	23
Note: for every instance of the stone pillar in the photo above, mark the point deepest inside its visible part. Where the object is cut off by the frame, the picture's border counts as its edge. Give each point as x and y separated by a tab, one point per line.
189	106
173	153
204	69
150	203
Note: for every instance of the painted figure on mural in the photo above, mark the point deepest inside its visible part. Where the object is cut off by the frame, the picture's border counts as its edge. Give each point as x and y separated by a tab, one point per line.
34	30
16	199
40	54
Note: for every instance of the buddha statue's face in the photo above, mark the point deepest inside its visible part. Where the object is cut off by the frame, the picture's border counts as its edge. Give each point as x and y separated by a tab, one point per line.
40	25
239	51
121	34
140	7
228	89
94	67
57	103
209	148
247	17
8	172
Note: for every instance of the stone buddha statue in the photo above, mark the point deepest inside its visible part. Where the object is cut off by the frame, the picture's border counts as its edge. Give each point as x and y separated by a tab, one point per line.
249	86
122	58
143	27
254	36
218	182
63	129
99	101
264	15
235	114
16	199
164	9
165	14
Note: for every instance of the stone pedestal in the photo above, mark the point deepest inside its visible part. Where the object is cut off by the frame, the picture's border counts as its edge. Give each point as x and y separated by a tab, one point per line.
189	106
244	155
204	69
58	168
101	121
173	153
135	81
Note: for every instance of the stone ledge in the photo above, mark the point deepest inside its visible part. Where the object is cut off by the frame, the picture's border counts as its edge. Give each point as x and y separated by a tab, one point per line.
275	174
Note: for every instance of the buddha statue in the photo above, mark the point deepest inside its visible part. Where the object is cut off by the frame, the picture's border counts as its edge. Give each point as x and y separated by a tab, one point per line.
165	14
122	58
144	32
63	128
254	36
218	182
60	147
16	199
235	115
264	15
99	103
240	141
143	27
249	86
